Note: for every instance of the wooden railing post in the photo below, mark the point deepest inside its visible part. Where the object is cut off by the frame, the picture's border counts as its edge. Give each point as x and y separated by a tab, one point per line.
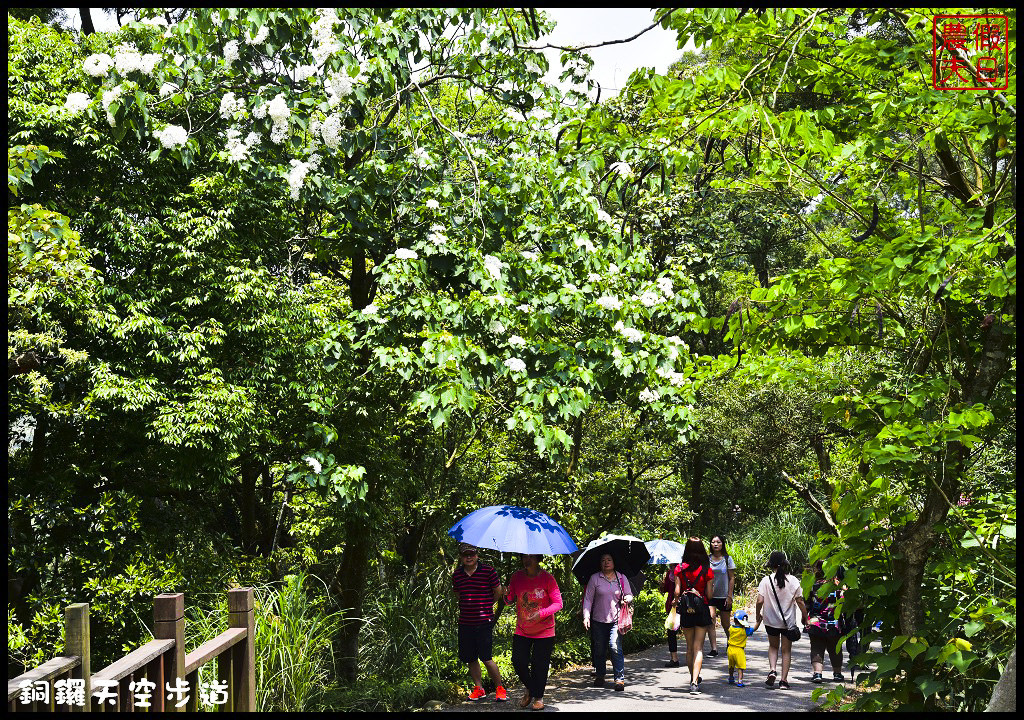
243	655
76	642
169	624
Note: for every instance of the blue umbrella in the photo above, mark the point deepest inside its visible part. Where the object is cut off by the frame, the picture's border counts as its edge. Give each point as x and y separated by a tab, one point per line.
664	552
513	529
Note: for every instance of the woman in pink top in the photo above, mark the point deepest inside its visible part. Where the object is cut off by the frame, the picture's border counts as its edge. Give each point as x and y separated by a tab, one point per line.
537	598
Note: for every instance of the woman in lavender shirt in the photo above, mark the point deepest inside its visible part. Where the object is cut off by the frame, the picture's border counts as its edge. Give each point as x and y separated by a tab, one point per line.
606	592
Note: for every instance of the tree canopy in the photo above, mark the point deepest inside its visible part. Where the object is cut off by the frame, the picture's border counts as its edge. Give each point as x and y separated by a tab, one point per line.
284	275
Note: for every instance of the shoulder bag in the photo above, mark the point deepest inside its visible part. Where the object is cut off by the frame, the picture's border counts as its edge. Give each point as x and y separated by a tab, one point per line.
625	611
792	631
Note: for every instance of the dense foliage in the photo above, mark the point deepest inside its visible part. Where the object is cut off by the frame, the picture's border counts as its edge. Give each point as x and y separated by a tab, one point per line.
285	299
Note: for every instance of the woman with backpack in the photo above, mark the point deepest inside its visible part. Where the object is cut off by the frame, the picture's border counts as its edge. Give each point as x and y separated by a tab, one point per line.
824	629
693	590
778	598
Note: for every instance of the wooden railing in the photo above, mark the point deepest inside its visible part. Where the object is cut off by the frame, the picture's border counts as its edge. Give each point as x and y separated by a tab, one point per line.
157	677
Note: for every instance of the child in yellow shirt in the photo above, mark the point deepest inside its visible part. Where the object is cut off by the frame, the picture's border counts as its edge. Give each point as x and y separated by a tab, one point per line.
738	633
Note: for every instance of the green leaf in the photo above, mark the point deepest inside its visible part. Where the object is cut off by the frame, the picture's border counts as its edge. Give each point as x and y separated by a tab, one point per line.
886	663
929	685
973	628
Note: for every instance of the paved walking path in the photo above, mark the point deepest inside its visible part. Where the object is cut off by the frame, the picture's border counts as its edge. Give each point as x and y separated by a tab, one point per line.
650	687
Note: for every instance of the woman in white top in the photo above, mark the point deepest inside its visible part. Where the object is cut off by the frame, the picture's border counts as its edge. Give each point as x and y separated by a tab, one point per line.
778	598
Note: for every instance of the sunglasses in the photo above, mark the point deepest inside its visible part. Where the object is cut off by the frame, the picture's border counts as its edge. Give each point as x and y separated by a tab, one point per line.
468	553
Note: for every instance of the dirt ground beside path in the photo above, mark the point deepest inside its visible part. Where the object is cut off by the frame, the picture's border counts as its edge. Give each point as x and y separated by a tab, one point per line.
653	688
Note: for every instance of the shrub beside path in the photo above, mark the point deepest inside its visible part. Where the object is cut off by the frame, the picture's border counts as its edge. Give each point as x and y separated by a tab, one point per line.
653	688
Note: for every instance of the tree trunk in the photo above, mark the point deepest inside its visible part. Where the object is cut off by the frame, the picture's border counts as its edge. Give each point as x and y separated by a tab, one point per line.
696	478
348	588
87	26
250	475
40	435
22	363
349	583
1004	697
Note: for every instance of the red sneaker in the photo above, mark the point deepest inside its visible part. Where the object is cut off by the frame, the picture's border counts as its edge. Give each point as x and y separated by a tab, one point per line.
500	695
478	694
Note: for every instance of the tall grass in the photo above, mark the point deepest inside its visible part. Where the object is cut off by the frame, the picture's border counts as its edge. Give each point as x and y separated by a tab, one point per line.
792	531
294	661
407	647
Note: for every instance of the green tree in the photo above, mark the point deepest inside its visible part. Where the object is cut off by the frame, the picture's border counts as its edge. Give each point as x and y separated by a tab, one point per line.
926	288
469	272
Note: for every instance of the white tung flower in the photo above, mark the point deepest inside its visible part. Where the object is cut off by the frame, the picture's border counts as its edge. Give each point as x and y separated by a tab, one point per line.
338	86
515	364
496	327
612	268
406	254
437	236
98	65
493	265
516	341
648	396
149	62
277	109
110	96
433	204
609	302
665	285
370	309
422	157
230	52
650	298
279	112
313	463
259	38
330	130
172	136
524	308
631	334
593	277
304	72
297	176
168	89
77	102
126	59
624	169
229	105
529	255
604	217
585	244
238	149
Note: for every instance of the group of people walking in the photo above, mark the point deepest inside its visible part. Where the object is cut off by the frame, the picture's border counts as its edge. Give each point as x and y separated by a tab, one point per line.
702	586
699	592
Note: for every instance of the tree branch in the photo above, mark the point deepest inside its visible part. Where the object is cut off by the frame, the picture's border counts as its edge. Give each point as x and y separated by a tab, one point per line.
577	48
819	509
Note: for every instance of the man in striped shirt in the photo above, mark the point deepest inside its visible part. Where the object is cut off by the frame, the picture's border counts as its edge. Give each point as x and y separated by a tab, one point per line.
478	588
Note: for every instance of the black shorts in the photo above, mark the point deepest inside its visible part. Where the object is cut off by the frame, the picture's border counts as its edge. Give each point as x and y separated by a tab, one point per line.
476	642
717	603
702	618
776	632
